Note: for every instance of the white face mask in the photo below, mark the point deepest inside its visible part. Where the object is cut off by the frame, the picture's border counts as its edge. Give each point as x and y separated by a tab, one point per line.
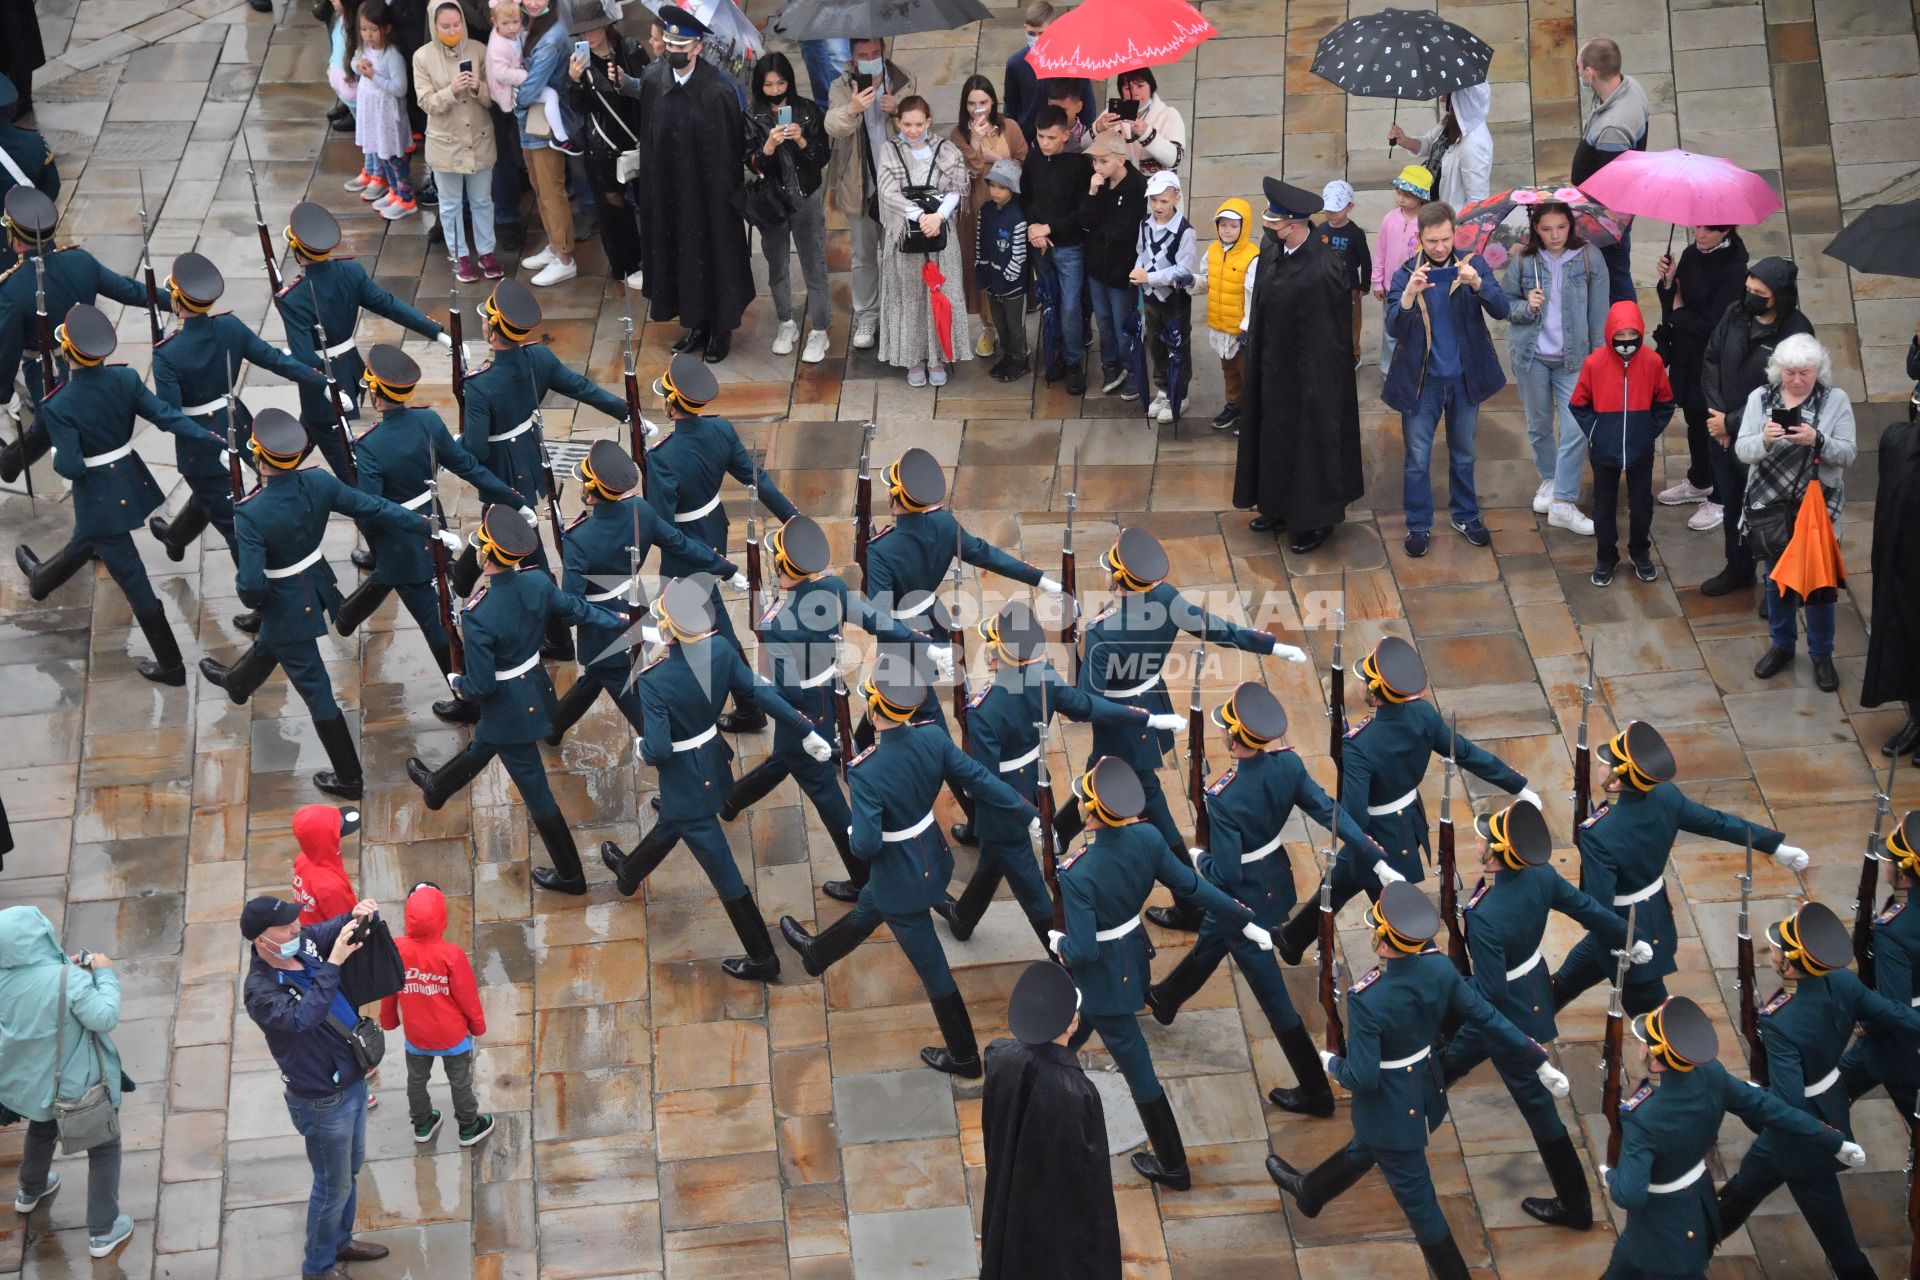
290	948
1032	36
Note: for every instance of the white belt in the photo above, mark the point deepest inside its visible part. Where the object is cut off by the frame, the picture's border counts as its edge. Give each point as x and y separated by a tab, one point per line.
1254	855
202	410
897	837
1118	931
1680	1183
109	457
1915	1002
516	672
814	682
298	567
518	431
1824	1083
697	740
611	593
917	610
414	504
1407	1061
1638	895
1393	806
1012	766
1526	967
688	517
339	349
1136	691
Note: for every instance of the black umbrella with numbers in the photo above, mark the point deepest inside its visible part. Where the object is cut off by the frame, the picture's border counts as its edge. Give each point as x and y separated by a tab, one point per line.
1402	53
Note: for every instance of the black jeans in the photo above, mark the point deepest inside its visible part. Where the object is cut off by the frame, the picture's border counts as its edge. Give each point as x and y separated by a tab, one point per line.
1730	487
103	1173
1606	501
1699	448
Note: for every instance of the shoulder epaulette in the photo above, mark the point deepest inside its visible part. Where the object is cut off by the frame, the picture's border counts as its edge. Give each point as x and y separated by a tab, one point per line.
877	534
666	651
1104	614
250	495
58	387
862	756
18	263
479	594
1639	1096
771	612
1357	728
979	697
1478	893
1893	908
1778	1002
1068	859
1596	815
1221	783
288	288
1368	979
577	521
471	374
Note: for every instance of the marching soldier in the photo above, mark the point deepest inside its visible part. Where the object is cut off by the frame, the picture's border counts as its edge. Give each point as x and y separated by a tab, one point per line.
1888	1055
1669	1125
800	631
501	627
72	276
1004	723
1103	887
893	785
1247	808
1505	920
1624	847
599	561
681	693
1384	759
192	367
28	159
282	571
1126	646
1394	1016
688	468
90	419
331	291
397	460
1805	1027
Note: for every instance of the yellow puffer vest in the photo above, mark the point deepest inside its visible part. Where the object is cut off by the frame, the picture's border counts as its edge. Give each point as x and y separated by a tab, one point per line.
1227	271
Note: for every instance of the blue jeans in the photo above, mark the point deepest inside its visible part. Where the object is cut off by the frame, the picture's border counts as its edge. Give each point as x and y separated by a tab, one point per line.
1113	310
1780	622
335	1128
1439	395
1619	259
826	60
1067	265
472	192
1544	392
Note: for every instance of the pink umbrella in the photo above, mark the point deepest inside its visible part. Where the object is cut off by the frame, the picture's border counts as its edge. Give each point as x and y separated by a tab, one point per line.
1102	38
1683	188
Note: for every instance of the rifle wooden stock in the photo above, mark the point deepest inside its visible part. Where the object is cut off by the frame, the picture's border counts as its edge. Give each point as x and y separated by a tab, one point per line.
1450	899
1197	776
843	723
636	429
1070	608
1049	838
459	360
43	326
1329	993
1610	1052
442	579
1749	1013
863	505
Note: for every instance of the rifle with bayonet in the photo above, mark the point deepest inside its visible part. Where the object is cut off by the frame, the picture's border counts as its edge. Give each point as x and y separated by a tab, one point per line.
962	689
753	550
1069	578
1329	959
1337	693
863	504
442	567
456	336
636	425
146	264
1043	800
42	322
260	220
1611	1060
1583	765
321	343
1863	903
1197	755
1449	874
234	475
1749	1012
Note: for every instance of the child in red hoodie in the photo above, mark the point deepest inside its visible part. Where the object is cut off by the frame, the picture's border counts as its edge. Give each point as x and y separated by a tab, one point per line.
1622	401
440	1009
320	882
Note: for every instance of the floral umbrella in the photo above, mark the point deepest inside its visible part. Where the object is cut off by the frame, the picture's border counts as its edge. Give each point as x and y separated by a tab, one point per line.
1496	226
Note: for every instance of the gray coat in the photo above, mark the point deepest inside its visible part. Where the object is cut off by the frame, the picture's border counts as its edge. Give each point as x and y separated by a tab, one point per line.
1838	449
1582	300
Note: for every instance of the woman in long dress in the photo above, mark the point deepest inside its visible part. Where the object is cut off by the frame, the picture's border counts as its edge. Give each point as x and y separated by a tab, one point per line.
933	166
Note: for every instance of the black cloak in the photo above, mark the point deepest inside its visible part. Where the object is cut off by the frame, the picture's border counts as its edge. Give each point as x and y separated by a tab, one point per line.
1299	457
1893	647
1049	1207
693	246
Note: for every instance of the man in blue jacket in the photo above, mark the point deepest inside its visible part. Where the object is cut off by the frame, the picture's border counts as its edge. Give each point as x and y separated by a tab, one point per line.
293	993
1444	363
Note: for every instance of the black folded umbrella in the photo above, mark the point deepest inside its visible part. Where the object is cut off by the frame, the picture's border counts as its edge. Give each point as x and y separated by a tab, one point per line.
1402	53
851	19
1883	241
376	970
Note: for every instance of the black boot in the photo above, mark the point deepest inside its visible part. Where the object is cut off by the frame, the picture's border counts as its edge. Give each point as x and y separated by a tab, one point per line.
558	646
247	623
1737	1204
1183	914
1167	995
33	442
752	787
1166	1163
830	945
363	559
1291	940
243	677
719	345
847	890
359	606
1903	741
44	577
963	916
1313	1189
1572	1204
962	833
961	1056
691	340
440	785
1313	1096
573	704
762	962
178	533
632	868
165	667
1444	1260
343	779
465	571
565	875
744	718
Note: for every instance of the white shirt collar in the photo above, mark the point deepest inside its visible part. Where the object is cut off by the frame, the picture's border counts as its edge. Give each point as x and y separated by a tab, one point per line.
681	77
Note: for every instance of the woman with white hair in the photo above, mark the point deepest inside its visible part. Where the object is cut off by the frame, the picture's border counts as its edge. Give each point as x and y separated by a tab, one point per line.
1797	425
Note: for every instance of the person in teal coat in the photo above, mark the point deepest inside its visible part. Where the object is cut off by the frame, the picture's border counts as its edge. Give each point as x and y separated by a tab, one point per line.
1247	808
91	419
1669	1125
1804	1028
501	627
1104	886
1888	1055
194	369
1394	1015
29	154
42	1036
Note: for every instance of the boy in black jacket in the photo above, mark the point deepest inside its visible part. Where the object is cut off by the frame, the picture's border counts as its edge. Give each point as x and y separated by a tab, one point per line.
1053	182
1000	262
1112	211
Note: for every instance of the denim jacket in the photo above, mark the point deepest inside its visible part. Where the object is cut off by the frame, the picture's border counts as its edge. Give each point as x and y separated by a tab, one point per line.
1582	299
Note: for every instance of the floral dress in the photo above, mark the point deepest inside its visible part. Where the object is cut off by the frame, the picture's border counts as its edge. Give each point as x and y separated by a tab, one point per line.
907	333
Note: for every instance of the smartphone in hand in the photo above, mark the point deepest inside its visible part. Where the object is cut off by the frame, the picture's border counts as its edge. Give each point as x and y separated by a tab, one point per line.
1128	109
785	116
466	66
1443	277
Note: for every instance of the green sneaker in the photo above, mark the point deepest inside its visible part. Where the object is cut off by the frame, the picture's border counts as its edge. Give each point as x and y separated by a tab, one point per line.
472	1133
425	1132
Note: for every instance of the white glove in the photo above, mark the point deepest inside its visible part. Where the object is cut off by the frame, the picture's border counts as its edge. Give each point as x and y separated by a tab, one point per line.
1555	1079
226	457
942	655
1194	855
651	429
453	683
650	633
1033	829
1054	939
1386	874
817	747
346	401
1532	797
1290	653
448	539
1327	1059
1258	935
739	582
1049	586
1170	722
530	515
1605	1169
1853	1153
445	339
1791	857
1640	952
12	407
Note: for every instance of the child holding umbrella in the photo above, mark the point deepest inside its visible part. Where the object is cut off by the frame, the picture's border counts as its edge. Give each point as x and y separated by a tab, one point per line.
1163	272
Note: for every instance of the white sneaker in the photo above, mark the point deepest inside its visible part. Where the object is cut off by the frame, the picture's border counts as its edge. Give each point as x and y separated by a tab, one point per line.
917	376
395	210
1543	497
555	272
816	349
1158	407
937	374
1679	495
1165	412
541	259
380	204
635	281
24	1203
866	329
787	337
1564	515
1708	515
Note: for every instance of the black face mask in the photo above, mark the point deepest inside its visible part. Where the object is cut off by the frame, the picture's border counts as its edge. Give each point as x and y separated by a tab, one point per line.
1758	304
679	59
1625	347
776	99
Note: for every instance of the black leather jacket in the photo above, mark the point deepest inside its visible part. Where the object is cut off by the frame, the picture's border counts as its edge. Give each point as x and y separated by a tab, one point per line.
802	164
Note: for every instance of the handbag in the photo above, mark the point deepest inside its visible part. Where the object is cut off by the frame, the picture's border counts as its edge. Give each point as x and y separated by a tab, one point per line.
89	1120
537	126
927	196
765	203
1770	526
376	970
365	1038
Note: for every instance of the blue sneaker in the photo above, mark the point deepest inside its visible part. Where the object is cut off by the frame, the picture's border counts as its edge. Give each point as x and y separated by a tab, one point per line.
117	1235
1416	543
24	1203
1475	531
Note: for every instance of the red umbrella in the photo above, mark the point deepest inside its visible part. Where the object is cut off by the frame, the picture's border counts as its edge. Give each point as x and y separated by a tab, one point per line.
941	305
1683	188
1102	38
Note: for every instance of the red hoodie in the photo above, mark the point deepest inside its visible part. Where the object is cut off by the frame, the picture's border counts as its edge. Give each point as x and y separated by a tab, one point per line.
1622	405
320	881
440	1004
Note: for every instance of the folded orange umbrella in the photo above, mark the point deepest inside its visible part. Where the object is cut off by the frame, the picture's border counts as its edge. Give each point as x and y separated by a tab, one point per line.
1810	567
